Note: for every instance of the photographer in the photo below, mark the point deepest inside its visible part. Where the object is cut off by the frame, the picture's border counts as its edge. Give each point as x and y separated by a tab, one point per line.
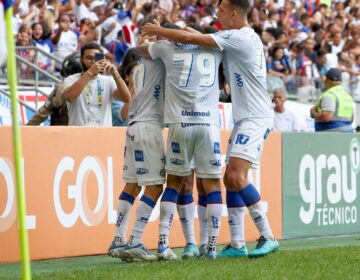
89	94
55	106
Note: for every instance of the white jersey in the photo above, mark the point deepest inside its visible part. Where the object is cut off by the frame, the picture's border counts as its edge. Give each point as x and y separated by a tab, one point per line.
191	85
148	101
245	71
93	106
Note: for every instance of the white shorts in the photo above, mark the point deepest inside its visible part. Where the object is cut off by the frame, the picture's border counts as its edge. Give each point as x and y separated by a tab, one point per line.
144	159
193	141
247	140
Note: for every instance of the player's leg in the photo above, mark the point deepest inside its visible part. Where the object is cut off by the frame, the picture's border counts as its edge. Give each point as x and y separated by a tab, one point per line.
201	210
208	168
236	219
245	152
126	201
126	198
149	159
177	168
135	249
186	211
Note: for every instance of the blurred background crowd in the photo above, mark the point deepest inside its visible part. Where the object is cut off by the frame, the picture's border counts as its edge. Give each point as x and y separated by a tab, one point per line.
302	38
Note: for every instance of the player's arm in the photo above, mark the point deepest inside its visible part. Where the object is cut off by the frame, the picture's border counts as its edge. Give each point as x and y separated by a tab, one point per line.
180	36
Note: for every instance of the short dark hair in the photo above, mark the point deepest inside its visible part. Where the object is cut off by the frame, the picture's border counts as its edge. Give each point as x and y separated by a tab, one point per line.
130	67
170	26
89	46
244	5
196	27
210	29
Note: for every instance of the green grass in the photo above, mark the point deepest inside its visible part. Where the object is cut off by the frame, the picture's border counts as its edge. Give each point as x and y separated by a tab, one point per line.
320	258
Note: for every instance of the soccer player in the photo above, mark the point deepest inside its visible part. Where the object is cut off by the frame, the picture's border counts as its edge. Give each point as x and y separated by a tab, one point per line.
191	111
144	163
245	72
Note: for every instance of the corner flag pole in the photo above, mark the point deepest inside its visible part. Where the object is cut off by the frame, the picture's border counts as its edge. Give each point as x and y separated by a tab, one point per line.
12	79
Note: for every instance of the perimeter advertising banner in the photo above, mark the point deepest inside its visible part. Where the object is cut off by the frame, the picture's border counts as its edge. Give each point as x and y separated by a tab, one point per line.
73	176
320	184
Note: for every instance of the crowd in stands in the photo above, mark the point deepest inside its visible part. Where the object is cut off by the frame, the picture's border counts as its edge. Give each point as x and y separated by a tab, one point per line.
302	38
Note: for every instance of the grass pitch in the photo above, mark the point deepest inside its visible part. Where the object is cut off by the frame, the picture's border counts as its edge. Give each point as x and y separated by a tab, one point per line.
318	258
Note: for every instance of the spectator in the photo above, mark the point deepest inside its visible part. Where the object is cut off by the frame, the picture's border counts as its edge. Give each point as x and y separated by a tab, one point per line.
118	47
337	43
24	39
284	120
65	40
279	64
42	41
89	94
333	111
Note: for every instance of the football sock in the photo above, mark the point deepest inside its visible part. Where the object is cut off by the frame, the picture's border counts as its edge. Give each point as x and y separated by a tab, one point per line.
201	209
235	206
252	200
213	216
125	203
167	210
186	210
143	213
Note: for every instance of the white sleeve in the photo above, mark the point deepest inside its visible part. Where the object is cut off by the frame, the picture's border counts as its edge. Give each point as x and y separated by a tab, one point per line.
222	39
112	85
70	80
157	49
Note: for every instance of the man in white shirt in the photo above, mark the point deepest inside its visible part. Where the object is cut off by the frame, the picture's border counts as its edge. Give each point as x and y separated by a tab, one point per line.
89	94
284	120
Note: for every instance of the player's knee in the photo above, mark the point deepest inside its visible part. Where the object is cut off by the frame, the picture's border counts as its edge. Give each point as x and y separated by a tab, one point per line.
235	181
154	192
132	189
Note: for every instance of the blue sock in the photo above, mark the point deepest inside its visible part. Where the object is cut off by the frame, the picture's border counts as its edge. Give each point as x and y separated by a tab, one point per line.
148	201
202	200
184	199
249	195
234	200
127	197
170	195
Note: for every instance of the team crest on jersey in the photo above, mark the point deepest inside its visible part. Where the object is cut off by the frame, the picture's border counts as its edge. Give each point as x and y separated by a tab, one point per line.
215	162
175	147
141	171
139	155
216	148
241	139
125	167
176	161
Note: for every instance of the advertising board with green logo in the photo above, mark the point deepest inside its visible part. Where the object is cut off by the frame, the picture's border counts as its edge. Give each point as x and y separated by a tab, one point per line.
321	184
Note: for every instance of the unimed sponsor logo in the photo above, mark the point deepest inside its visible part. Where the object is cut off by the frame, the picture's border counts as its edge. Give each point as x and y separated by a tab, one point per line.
328	187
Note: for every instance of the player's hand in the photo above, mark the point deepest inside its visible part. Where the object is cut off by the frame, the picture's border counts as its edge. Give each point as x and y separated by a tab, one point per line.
149	29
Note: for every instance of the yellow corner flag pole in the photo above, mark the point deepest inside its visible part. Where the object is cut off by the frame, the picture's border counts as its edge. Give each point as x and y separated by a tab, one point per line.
12	79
